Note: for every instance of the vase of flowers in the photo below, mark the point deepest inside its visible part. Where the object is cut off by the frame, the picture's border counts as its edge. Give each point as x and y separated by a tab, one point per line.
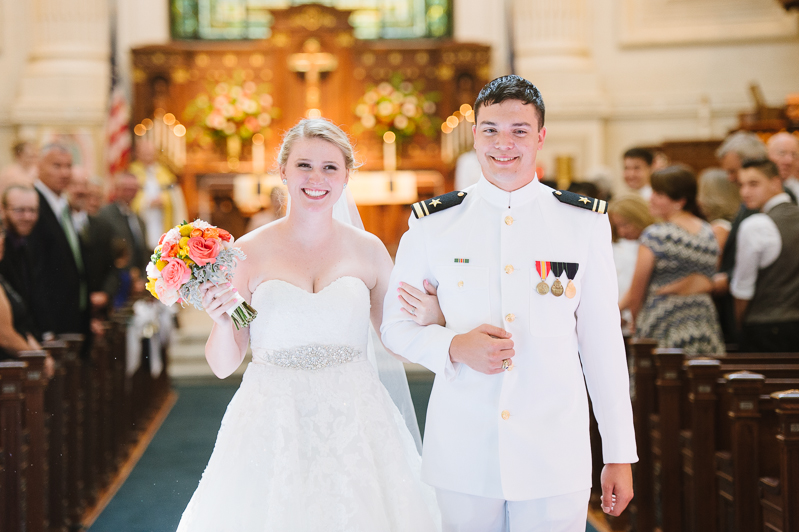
397	110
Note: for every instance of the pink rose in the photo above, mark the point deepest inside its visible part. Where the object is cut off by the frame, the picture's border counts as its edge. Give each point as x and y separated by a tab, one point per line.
203	250
174	274
166	295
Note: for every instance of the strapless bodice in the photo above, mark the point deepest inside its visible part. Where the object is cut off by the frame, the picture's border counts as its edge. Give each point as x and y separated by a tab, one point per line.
303	330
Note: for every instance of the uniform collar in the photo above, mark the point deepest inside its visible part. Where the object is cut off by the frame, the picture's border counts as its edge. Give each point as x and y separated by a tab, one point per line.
504	199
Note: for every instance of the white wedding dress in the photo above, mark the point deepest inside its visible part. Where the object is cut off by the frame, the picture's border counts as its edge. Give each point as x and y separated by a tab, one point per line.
312	441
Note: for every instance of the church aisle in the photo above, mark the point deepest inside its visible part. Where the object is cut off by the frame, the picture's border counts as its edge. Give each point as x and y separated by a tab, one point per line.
159	488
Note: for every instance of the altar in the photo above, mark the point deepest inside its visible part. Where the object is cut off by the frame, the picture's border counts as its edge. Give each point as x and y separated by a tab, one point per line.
218	109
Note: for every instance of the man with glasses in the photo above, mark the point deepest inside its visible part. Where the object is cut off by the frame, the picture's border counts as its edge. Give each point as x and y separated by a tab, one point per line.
20	212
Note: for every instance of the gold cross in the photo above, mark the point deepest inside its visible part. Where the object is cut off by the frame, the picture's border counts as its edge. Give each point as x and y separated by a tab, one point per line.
312	62
435	202
585	200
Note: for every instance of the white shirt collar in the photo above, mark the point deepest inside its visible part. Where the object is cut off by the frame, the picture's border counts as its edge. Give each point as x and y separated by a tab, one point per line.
782	197
56	202
504	199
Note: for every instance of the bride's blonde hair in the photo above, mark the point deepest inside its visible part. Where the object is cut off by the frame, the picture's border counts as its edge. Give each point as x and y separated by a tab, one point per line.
317	128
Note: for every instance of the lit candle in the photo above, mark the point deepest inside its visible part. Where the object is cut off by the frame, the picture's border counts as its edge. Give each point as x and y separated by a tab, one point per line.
389	151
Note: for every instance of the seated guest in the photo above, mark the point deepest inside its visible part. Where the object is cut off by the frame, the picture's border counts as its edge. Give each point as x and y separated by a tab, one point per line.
638	170
765	282
23	170
677	248
783	149
16	328
20	205
719	202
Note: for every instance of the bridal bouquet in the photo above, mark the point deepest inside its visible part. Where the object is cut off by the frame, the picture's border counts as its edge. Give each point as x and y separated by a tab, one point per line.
187	256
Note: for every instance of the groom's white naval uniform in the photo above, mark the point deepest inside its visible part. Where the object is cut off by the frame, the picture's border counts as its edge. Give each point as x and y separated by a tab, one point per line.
522	434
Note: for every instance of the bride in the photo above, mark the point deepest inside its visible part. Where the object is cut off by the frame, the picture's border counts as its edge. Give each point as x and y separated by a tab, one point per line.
311	441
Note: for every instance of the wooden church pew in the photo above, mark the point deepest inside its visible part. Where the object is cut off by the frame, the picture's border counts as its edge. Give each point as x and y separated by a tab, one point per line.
73	399
779	497
12	441
34	421
56	437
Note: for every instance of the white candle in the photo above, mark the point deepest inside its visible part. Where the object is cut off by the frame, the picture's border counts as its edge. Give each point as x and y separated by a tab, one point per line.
390	156
258	158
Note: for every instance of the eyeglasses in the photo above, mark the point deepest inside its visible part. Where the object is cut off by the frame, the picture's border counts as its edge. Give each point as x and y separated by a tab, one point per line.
24	210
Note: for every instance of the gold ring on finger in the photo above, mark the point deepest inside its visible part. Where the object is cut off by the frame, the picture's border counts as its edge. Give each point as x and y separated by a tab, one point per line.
506	364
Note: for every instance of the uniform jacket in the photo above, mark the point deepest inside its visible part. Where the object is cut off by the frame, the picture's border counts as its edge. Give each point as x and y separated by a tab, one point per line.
542	449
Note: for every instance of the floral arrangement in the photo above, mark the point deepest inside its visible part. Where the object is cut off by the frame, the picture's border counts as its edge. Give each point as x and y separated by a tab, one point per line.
187	256
229	110
397	106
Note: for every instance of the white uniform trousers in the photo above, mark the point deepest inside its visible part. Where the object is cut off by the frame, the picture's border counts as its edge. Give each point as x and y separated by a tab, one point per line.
469	513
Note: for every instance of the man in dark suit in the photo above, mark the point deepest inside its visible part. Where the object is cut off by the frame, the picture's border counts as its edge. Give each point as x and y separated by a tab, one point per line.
20	212
60	294
128	226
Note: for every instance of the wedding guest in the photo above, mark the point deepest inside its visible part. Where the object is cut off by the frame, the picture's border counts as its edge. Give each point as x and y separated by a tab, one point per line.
77	194
60	293
783	149
629	216
765	282
682	245
127	226
637	171
16	326
23	170
719	201
20	212
278	201
160	201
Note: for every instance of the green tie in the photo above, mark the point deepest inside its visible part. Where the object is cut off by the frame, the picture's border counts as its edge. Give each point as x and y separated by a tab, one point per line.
74	244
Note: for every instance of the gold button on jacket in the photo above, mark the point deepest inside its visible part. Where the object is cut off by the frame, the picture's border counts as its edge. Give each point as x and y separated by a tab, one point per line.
505	414
508	220
510	317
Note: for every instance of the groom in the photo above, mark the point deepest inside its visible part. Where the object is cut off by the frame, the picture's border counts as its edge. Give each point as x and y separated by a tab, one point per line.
527	284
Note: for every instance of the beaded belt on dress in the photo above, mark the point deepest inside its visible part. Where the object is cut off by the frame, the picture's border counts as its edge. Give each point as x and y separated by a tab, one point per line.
313	356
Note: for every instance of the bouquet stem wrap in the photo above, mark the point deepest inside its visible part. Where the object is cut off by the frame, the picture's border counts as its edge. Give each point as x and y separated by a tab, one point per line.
242	314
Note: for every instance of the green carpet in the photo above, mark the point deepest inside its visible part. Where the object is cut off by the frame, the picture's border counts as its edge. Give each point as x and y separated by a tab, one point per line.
161	484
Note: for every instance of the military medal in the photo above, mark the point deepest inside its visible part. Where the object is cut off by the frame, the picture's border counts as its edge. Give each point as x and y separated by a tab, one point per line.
542	267
557	269
571	271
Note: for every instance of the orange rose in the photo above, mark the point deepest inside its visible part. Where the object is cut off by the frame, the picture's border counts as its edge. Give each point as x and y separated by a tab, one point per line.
224	235
169	250
211	232
196	232
203	251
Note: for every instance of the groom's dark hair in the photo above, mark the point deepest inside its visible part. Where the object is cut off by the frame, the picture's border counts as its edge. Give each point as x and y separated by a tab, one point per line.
511	87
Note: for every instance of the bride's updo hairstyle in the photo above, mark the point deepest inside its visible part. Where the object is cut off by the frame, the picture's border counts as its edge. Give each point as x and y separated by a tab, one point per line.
317	128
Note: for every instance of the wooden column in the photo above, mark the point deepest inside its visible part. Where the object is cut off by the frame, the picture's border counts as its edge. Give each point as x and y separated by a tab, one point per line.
669	363
12	515
700	507
788	438
745	388
56	437
643	407
36	475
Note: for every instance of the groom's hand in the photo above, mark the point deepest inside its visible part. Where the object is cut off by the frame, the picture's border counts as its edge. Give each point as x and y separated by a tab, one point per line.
483	349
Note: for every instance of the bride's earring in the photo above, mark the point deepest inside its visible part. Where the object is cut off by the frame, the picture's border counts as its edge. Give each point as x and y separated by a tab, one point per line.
285	181
345	185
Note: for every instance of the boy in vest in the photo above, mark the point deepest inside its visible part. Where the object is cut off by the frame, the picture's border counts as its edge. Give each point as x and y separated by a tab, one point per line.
765	282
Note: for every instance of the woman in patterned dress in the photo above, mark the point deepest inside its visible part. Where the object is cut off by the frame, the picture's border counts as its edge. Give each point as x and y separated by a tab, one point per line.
681	247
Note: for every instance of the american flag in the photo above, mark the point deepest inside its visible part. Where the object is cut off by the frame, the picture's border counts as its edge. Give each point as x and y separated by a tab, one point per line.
118	139
117	132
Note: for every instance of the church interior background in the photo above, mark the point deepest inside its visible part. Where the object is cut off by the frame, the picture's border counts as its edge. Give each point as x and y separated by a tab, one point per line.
215	83
614	74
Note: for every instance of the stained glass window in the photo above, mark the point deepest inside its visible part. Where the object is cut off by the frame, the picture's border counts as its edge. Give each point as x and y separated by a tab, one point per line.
251	19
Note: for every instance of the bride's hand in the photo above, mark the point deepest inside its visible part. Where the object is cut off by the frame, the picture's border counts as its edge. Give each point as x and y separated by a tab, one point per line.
217	300
422	307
